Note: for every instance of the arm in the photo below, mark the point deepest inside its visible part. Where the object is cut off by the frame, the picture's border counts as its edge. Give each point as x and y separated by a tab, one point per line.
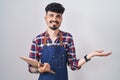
75	63
35	55
99	53
71	54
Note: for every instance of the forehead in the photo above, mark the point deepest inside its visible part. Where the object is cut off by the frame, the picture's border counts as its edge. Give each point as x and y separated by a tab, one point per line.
53	13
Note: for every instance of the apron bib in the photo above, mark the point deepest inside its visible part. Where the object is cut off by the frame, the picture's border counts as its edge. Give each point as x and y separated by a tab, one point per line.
56	56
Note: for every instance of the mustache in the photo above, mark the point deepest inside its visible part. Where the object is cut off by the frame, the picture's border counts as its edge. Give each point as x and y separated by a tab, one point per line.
54	21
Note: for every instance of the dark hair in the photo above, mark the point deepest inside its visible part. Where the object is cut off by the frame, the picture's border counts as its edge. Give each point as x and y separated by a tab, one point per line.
55	7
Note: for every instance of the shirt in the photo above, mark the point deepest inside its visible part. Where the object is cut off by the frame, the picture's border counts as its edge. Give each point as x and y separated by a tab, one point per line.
67	41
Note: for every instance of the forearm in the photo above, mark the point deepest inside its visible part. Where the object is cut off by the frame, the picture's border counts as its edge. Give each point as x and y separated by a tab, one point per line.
83	60
99	53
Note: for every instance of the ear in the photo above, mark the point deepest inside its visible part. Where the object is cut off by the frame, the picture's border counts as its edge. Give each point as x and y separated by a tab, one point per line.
45	17
62	18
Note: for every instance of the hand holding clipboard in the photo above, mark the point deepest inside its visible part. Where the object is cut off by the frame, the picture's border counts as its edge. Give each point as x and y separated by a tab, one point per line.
34	62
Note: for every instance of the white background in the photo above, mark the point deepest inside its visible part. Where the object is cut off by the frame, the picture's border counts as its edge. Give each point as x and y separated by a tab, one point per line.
94	24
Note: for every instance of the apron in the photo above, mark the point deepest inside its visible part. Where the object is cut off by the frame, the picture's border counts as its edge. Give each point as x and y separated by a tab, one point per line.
56	56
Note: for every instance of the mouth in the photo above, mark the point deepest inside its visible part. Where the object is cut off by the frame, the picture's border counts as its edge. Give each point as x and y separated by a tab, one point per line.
54	22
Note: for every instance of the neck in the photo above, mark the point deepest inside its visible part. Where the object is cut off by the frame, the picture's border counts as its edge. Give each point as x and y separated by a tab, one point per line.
52	33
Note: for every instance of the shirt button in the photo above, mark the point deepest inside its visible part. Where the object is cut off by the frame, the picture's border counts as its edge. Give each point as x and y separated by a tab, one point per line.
53	56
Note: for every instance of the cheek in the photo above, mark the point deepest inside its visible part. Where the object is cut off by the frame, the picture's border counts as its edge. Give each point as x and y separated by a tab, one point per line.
60	21
47	21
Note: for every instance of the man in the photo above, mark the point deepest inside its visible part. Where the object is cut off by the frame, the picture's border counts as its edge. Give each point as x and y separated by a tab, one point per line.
55	48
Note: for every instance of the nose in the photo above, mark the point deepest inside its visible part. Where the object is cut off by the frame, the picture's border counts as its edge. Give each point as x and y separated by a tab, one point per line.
54	18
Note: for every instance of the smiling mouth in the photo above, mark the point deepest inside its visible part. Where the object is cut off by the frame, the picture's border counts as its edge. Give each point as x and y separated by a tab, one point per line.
54	22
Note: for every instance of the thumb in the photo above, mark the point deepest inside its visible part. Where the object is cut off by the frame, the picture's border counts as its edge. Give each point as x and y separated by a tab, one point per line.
38	65
99	51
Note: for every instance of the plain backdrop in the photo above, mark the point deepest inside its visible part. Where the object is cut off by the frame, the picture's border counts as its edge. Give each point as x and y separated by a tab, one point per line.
94	25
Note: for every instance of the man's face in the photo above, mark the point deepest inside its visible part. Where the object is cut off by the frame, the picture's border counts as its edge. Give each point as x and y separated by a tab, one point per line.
53	20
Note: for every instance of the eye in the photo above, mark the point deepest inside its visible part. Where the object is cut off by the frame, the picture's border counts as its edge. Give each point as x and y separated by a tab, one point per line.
51	15
58	16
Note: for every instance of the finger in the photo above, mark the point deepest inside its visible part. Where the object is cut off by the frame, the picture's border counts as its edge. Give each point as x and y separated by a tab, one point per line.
108	54
99	51
105	54
38	65
47	70
47	65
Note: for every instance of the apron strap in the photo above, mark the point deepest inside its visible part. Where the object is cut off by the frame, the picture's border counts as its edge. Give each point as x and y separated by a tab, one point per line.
61	39
60	36
45	39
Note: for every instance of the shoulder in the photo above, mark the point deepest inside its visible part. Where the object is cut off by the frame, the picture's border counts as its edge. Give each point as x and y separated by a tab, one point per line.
39	37
67	34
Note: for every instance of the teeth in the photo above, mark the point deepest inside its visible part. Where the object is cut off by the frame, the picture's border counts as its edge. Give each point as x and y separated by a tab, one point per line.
54	23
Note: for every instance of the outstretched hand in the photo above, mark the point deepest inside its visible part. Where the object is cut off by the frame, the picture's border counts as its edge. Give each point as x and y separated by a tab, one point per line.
100	53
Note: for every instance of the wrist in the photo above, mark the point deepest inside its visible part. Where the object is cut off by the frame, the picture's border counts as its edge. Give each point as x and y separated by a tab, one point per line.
37	71
87	58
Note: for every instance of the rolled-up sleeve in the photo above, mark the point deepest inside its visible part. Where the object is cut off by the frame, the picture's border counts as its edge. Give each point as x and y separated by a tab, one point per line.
72	60
34	53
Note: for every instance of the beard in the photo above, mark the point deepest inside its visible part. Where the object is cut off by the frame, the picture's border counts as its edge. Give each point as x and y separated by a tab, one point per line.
54	27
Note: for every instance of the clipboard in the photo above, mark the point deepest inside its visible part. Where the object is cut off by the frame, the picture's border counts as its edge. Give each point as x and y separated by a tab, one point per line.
34	62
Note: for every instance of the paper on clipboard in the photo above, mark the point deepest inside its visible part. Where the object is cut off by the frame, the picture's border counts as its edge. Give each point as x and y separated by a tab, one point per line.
33	62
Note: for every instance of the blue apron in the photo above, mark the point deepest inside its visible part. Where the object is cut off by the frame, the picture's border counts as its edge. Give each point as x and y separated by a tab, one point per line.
56	56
